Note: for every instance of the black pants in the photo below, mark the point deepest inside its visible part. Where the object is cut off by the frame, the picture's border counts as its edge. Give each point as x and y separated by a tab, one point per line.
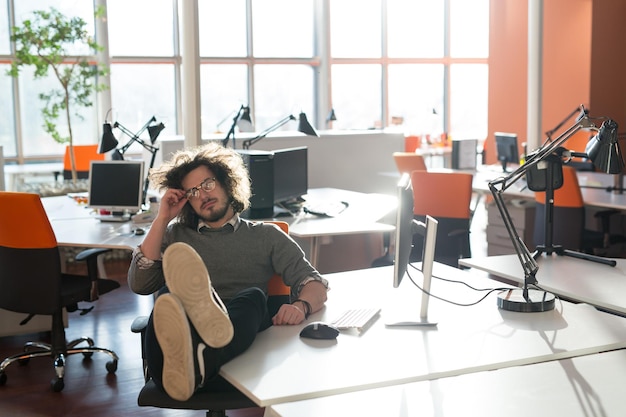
248	311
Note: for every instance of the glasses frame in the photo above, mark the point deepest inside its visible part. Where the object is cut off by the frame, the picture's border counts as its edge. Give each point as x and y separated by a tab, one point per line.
208	184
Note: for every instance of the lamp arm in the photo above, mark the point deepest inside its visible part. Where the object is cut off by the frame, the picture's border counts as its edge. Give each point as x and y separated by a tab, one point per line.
499	185
231	131
528	262
134	137
549	133
248	142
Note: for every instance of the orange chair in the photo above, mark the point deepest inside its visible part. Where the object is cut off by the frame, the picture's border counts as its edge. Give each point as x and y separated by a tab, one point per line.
83	155
216	403
32	283
411	143
408	162
447	197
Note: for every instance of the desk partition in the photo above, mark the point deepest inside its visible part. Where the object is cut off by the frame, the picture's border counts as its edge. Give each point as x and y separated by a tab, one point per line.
579	280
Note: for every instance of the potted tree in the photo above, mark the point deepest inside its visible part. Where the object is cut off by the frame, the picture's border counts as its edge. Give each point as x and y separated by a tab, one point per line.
46	42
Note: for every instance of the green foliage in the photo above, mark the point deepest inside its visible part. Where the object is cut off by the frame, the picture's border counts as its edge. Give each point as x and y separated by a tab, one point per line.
46	42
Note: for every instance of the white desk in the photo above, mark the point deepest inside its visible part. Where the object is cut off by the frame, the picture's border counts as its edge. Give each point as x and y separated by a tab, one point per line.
281	367
75	225
576	279
362	216
593	197
579	387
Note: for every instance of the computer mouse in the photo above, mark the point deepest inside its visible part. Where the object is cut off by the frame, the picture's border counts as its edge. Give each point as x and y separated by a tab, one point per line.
319	330
140	231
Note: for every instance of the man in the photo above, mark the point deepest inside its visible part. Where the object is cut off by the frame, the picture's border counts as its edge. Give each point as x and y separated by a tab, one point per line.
202	321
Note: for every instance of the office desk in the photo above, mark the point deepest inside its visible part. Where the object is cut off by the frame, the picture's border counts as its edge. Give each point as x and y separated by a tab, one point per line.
576	279
593	197
579	387
281	367
363	215
75	225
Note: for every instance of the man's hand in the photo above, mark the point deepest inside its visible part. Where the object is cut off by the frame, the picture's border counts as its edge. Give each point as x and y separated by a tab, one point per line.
288	314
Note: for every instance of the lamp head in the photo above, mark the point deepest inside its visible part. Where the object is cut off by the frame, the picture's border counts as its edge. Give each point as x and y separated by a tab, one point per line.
244	123
108	141
603	149
305	127
331	116
154	131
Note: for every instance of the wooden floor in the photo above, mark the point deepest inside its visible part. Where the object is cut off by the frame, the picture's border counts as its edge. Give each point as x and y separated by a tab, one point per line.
89	389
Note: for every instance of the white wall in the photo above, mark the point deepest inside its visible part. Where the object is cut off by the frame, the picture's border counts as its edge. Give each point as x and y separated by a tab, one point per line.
356	161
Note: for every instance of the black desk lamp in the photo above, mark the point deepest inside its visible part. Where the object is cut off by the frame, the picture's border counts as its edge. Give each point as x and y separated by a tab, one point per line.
604	152
109	143
242	120
303	126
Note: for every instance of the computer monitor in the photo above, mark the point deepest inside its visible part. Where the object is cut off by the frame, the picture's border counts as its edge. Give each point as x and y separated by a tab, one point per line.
116	186
290	174
506	149
406	227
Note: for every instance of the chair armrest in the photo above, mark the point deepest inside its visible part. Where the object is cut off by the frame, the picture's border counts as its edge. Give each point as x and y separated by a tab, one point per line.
139	324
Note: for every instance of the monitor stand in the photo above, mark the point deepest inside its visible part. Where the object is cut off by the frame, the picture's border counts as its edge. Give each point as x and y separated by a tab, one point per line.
423	322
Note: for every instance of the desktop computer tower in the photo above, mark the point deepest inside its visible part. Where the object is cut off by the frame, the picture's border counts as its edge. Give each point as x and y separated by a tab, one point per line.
260	165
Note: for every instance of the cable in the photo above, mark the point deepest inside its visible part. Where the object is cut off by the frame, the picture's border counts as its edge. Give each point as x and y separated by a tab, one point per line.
489	290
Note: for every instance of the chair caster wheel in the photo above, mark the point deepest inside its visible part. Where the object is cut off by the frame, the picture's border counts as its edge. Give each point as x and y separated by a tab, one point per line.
111	366
3	378
57	384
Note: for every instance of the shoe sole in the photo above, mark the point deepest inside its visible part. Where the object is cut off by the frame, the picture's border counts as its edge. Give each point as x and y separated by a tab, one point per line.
186	276
174	335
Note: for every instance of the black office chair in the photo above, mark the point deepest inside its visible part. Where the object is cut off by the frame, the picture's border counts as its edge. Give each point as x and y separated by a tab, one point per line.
215	403
32	282
568	220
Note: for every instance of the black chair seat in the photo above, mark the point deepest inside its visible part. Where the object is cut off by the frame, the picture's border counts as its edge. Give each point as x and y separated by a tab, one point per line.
153	396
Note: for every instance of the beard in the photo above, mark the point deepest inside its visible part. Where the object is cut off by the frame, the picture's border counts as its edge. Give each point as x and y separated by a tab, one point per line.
216	213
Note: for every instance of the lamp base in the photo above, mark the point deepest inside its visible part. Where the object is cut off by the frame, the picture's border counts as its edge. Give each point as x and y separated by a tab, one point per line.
526	301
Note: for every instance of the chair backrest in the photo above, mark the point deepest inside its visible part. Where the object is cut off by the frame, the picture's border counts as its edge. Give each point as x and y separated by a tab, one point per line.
411	143
276	286
83	155
447	197
442	194
408	162
568	217
30	281
569	195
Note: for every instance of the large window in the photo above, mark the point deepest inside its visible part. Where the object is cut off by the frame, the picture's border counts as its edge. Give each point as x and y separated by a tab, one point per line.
418	66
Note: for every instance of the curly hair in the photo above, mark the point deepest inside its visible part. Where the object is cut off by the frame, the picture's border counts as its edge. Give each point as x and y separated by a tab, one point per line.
226	164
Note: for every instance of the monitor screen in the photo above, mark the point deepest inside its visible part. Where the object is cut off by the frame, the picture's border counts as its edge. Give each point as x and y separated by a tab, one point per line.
406	227
116	186
506	148
290	174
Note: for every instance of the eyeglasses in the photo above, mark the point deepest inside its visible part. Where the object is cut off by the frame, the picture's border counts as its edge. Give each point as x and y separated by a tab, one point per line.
206	185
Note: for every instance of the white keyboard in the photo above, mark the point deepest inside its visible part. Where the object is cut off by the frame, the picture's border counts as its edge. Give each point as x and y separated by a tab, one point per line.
357	318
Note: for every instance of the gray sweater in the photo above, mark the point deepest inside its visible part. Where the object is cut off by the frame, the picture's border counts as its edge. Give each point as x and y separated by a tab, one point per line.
236	259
